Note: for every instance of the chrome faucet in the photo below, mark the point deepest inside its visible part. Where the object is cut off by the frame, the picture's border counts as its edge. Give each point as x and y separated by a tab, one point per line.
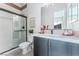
51	31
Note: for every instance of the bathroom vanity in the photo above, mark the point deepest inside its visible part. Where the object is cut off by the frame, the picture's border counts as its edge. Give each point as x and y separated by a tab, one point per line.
55	45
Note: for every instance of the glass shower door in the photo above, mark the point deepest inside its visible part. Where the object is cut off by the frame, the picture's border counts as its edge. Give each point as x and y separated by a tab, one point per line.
19	30
12	30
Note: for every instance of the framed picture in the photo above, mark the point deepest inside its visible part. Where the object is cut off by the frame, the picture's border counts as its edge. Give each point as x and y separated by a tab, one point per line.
32	22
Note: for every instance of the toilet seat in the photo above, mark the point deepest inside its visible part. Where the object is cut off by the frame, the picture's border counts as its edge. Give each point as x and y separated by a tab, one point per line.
24	45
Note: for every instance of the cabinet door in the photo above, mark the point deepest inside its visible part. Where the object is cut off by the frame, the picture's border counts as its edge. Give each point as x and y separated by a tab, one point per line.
69	48
58	48
75	49
35	46
40	46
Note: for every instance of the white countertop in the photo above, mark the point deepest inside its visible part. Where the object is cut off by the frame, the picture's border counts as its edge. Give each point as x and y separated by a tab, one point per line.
71	39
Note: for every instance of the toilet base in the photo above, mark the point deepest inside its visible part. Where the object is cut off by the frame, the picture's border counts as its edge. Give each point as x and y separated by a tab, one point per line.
26	50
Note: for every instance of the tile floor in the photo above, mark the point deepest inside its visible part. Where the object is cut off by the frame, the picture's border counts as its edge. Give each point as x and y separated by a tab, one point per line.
17	52
28	54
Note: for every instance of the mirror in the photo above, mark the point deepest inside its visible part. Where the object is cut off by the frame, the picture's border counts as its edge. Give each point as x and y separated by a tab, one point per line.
54	15
61	16
47	16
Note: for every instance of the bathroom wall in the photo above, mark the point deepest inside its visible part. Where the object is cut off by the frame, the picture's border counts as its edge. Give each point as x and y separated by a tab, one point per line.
58	32
75	28
33	10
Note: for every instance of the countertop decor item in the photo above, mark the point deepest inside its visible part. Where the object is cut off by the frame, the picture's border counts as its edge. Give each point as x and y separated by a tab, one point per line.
68	32
32	22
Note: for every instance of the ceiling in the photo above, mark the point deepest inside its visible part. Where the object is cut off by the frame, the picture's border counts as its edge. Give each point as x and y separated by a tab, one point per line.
19	6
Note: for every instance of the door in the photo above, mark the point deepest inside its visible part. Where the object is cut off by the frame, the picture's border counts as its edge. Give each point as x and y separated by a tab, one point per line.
36	46
19	30
58	48
40	46
69	48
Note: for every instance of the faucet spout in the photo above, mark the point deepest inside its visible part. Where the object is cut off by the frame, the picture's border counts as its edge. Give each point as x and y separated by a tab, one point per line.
51	31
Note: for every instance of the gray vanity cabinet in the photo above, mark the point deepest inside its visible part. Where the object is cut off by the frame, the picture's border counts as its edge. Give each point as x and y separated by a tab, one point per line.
52	47
40	46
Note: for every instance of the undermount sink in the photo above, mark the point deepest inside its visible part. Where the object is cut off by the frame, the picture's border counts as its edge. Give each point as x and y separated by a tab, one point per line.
56	36
52	35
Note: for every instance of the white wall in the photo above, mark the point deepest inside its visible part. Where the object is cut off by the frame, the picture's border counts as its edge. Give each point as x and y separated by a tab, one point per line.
75	26
33	10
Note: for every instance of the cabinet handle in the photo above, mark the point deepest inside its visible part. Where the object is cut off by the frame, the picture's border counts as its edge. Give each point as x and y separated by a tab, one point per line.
49	44
49	47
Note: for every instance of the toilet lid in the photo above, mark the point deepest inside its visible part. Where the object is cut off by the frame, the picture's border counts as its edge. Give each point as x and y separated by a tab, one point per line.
24	44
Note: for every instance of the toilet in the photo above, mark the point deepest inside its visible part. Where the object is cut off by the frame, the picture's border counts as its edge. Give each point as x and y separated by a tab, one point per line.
26	47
